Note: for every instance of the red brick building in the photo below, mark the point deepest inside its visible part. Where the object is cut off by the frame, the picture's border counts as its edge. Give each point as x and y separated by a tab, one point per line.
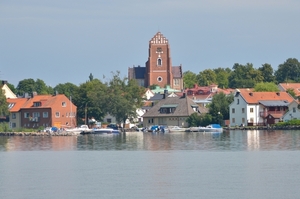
158	69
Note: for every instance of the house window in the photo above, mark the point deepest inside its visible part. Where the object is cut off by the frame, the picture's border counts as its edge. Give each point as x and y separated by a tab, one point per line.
108	120
26	115
57	114
233	120
233	110
63	104
238	101
36	114
159	79
243	110
251	110
176	82
159	62
45	114
243	120
13	125
13	116
251	119
294	110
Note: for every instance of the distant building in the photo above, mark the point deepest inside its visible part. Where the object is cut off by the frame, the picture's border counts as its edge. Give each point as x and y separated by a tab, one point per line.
158	69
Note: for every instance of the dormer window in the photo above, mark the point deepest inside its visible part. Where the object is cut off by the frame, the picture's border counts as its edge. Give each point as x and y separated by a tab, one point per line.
37	104
195	107
168	108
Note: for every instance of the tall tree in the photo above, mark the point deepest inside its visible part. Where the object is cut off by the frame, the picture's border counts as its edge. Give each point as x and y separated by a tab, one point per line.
125	97
267	72
26	86
219	107
3	104
68	89
206	77
222	77
244	76
289	71
189	79
40	87
91	100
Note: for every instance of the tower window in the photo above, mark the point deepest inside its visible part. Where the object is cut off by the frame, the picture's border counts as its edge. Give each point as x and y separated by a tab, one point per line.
159	62
159	79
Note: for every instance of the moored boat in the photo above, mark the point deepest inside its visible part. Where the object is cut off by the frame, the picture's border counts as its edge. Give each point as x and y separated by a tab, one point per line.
101	131
209	128
78	130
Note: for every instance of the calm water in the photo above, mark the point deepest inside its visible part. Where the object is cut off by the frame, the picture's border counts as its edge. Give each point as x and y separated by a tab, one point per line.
236	164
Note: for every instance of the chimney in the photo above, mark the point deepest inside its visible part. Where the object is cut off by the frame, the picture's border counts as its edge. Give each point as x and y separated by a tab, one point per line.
34	94
4	82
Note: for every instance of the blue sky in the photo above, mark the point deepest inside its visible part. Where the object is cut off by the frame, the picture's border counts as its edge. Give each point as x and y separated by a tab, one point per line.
66	40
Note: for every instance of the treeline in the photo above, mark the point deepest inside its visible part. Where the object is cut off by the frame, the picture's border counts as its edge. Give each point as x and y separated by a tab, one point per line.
245	76
119	96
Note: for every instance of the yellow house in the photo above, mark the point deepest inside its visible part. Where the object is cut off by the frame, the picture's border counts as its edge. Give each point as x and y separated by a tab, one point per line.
7	92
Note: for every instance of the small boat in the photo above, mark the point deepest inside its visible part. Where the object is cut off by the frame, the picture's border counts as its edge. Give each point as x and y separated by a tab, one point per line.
210	128
177	129
78	130
101	131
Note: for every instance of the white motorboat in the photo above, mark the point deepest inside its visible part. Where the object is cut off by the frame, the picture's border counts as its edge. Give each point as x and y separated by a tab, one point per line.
101	130
177	129
78	130
210	128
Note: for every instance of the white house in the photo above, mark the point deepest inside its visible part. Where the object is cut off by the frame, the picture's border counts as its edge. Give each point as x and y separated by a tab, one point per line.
293	111
258	108
7	92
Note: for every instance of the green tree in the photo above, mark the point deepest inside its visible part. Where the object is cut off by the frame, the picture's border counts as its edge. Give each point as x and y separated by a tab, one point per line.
244	76
267	72
266	86
291	92
124	97
222	77
3	104
219	107
40	87
26	86
91	100
153	86
189	79
206	77
289	71
67	89
193	120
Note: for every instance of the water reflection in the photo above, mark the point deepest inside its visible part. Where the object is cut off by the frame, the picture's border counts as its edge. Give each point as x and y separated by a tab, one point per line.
228	140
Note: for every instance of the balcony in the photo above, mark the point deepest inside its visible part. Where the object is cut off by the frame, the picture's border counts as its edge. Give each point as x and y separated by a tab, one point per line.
33	119
266	113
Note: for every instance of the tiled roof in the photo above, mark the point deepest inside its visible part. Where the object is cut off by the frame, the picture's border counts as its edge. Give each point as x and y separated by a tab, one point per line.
184	107
16	103
294	86
254	97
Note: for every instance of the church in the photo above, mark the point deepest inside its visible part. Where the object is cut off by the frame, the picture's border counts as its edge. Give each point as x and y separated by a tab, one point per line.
158	69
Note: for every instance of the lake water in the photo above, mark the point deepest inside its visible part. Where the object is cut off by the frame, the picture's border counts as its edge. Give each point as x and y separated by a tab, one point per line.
235	164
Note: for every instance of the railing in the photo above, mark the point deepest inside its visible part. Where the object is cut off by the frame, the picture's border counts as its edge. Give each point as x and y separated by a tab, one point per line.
266	113
33	119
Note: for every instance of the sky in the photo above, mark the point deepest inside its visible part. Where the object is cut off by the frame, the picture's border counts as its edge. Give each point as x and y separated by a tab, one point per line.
60	41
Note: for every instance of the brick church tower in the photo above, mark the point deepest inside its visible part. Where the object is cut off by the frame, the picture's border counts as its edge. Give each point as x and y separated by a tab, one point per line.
159	65
158	69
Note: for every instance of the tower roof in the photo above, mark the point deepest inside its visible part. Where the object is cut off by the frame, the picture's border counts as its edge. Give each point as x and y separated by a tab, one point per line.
159	39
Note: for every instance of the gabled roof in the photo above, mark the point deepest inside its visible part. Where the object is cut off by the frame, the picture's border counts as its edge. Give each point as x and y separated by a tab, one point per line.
183	107
177	71
294	86
255	97
47	100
